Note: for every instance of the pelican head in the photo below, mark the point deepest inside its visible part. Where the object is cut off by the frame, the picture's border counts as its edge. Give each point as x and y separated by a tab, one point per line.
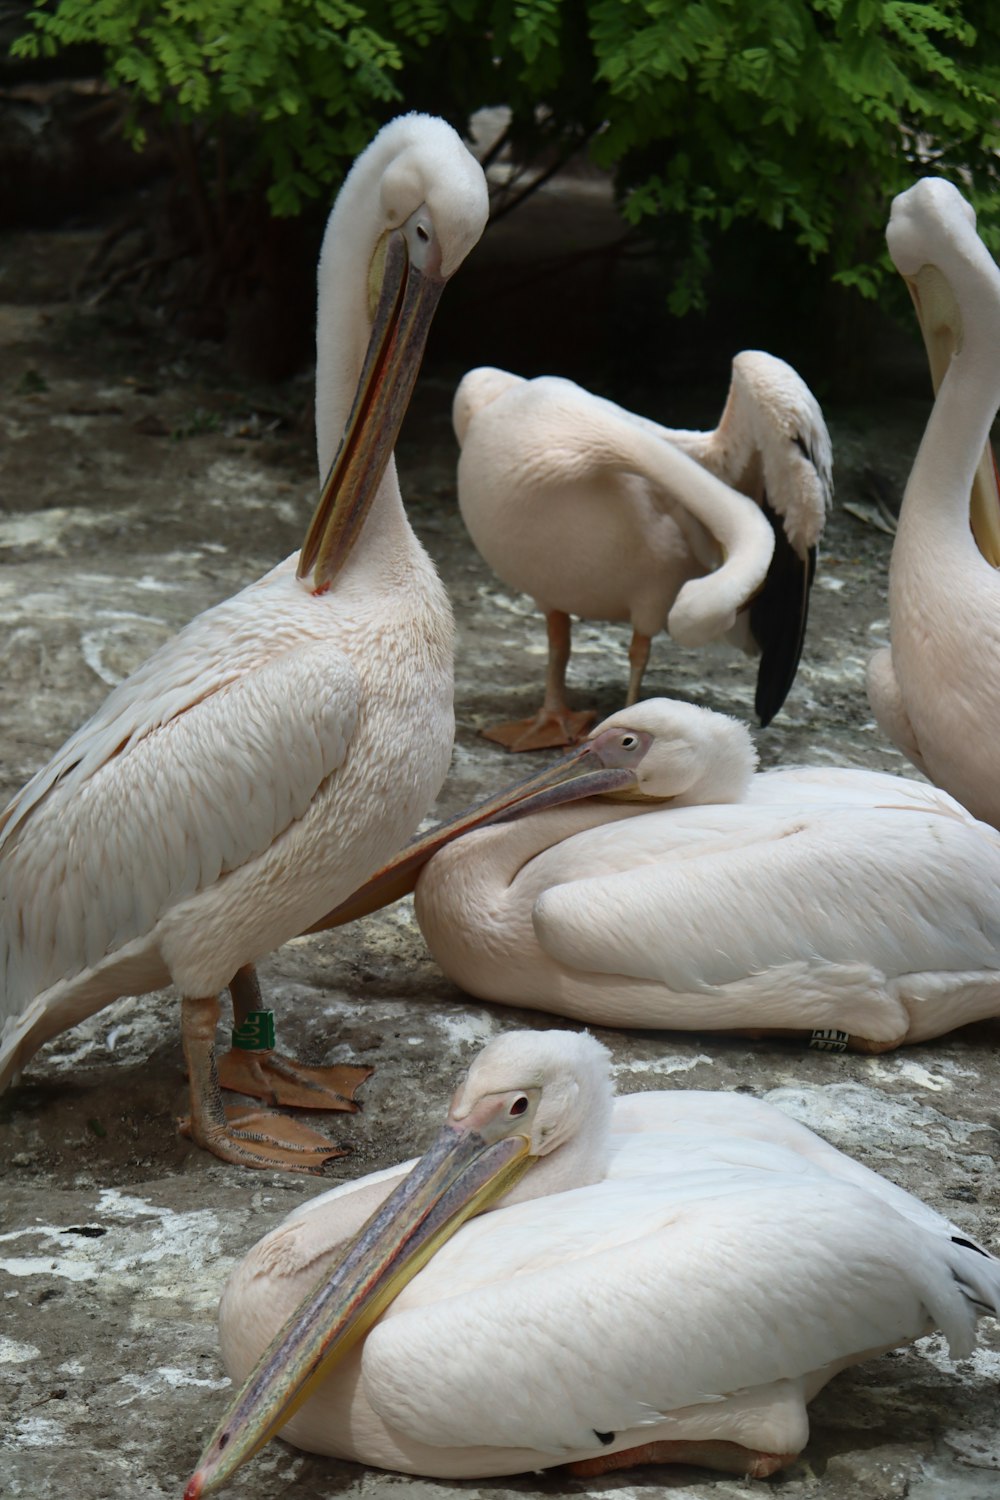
661	751
529	1096
931	227
934	246
692	755
424	203
930	223
477	390
565	1076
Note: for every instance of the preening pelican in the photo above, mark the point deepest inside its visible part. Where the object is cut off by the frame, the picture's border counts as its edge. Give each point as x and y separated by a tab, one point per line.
933	690
597	512
851	907
673	1280
280	747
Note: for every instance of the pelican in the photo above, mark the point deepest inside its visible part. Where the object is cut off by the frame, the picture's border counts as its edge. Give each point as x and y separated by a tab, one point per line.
667	1277
281	746
931	690
849	907
597	512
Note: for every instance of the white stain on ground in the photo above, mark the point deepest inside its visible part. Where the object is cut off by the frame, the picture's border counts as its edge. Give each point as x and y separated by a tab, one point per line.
510	604
254	489
68	1268
847	670
45	529
148	584
664	1064
882	1069
13	1353
983	1364
147	1250
465	1028
151	1386
845	1113
170	1241
129	1029
38	1432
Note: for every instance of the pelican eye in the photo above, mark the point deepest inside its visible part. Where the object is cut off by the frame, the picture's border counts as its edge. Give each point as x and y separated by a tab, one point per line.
629	741
423	233
519	1106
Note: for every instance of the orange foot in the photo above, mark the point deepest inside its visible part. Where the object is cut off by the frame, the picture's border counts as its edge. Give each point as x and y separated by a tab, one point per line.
258	1138
731	1458
546	731
280	1080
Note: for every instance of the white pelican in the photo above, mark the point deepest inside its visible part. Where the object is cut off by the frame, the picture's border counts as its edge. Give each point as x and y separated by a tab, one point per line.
852	907
284	743
932	690
597	512
674	1279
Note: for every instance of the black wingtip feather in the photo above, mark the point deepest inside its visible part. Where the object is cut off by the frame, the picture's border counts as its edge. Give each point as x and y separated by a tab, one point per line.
778	618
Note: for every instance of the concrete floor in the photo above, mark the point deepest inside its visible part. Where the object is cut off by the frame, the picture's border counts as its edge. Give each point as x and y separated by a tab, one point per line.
139	484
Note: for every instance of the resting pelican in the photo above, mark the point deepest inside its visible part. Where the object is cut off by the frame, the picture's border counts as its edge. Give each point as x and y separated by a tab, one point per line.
594	511
674	1279
931	690
280	747
852	907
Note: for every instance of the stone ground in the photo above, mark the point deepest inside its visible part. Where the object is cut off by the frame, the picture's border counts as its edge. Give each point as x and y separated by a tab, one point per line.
140	482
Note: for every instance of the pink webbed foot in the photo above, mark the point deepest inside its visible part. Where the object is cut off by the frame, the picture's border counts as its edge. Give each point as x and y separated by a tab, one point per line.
281	1080
730	1458
258	1138
548	730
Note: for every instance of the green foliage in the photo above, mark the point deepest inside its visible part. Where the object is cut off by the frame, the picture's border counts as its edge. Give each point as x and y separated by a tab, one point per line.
805	116
196	424
309	74
31	383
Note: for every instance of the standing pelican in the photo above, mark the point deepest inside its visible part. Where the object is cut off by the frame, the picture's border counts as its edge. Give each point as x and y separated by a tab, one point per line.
932	690
856	908
674	1279
280	747
596	512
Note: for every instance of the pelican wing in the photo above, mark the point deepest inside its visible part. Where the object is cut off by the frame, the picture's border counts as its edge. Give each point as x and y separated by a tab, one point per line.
618	442
696	1125
773	444
600	1310
784	436
780	888
214	649
779	614
792	459
145	807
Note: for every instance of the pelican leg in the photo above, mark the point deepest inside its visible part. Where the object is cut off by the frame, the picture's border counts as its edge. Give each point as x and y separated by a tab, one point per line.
266	1074
638	657
555	723
246	1137
730	1458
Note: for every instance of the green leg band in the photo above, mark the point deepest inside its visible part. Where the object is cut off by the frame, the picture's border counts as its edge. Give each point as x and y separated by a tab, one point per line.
256	1032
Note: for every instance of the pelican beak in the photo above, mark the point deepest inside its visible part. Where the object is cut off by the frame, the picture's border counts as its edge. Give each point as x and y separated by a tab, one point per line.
472	1162
579	774
940	322
407	299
